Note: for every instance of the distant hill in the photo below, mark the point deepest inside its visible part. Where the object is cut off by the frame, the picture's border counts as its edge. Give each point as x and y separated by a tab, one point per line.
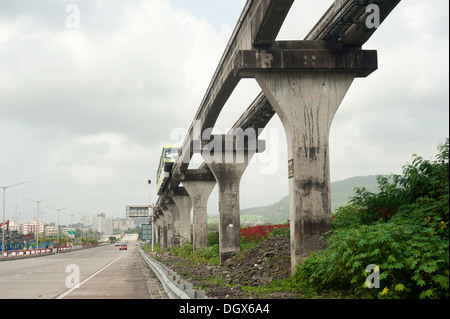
278	213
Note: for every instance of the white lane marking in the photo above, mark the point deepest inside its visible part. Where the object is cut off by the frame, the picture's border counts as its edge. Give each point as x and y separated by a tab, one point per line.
89	278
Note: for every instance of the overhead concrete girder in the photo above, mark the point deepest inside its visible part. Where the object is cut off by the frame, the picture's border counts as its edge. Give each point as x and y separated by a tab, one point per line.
345	21
295	56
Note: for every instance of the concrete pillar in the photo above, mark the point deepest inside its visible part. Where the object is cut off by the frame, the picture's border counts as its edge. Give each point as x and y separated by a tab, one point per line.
199	192
232	153
168	227
306	103
175	223
184	205
228	176
162	229
159	226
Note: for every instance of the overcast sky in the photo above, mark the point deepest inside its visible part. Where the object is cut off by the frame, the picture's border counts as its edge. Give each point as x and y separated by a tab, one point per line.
86	105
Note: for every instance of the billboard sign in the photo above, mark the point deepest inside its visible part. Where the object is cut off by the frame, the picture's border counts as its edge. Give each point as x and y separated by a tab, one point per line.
137	211
146	231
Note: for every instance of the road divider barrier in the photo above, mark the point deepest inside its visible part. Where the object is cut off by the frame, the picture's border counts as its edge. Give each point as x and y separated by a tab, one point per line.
29	252
173	284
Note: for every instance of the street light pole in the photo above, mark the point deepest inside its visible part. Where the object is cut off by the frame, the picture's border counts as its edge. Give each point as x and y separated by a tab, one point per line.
58	210
4	199
150	207
71	221
37	225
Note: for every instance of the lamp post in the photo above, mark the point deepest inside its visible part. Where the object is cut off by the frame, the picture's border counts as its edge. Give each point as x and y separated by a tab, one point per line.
37	222
71	221
150	207
4	199
58	210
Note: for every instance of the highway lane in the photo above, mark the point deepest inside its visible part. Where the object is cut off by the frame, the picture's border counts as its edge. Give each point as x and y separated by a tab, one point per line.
104	272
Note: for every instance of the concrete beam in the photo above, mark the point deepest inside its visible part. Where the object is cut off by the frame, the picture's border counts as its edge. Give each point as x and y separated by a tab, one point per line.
345	21
197	175
360	62
267	23
258	24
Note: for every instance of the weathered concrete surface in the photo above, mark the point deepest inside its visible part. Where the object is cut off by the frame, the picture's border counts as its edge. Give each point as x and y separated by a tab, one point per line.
252	51
229	177
259	24
160	229
199	192
306	103
168	226
175	222
184	205
360	62
345	21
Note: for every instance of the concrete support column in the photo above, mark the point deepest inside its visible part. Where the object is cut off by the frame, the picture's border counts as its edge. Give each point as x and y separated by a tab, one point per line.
184	205
168	227
306	103
176	223
199	192
228	176
159	229
162	229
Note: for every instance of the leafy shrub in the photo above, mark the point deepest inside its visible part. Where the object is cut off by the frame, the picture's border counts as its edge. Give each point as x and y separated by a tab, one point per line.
280	232
403	229
213	238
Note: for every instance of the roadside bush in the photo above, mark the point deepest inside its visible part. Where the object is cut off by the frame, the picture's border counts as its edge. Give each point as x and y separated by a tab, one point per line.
213	238
403	230
208	254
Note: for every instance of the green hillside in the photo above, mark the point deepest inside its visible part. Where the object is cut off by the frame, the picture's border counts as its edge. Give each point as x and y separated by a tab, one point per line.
278	213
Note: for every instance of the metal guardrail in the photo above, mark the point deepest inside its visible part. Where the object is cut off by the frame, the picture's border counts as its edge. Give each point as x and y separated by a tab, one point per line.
174	286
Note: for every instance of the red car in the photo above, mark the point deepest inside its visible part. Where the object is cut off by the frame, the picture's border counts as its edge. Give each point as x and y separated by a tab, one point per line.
123	247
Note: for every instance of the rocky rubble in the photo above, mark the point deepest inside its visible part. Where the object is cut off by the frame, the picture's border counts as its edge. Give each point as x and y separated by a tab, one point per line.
260	265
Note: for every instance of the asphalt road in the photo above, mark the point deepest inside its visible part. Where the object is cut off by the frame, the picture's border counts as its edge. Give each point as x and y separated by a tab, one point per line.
97	273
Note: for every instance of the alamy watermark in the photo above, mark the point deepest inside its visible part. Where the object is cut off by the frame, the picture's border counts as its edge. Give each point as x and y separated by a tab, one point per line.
73	17
73	280
373	19
373	280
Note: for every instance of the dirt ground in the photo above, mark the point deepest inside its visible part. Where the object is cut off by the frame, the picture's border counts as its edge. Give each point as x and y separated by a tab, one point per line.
269	261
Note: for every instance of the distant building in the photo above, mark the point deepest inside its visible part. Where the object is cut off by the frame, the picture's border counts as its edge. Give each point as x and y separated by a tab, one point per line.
32	227
97	222
51	230
102	224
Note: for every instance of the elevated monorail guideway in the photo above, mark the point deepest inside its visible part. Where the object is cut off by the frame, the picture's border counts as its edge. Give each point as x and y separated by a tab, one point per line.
320	69
259	24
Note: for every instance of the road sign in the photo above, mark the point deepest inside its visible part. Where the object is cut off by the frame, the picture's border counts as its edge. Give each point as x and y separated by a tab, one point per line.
137	211
146	231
